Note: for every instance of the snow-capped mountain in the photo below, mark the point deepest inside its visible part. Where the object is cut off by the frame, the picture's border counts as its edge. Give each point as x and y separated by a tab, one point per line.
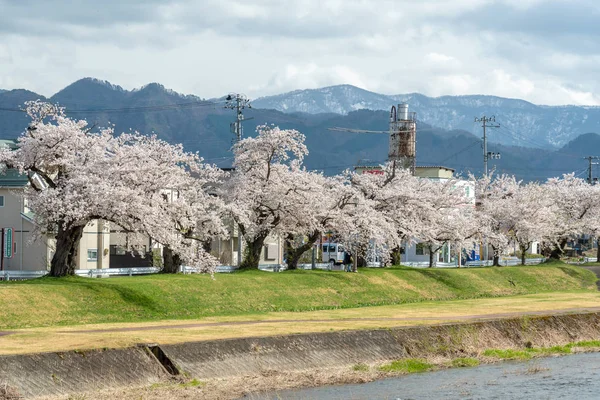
521	123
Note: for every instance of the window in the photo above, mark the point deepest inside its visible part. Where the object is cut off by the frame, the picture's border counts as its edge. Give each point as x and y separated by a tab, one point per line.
92	255
421	249
1	201
116	250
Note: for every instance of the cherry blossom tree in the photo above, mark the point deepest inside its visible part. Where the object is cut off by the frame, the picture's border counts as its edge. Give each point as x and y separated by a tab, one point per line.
591	220
493	209
530	214
447	216
574	200
268	188
395	196
78	176
331	205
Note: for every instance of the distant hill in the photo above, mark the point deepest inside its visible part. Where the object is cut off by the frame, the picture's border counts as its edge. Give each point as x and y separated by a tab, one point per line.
204	126
522	123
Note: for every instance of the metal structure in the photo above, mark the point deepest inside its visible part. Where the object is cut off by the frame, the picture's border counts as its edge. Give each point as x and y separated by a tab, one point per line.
590	179
403	133
485	123
402	137
238	102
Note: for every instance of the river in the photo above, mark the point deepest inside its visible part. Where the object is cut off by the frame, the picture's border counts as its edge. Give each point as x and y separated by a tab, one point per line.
567	377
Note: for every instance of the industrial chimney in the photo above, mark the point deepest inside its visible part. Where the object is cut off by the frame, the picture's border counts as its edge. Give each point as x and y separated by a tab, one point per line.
403	131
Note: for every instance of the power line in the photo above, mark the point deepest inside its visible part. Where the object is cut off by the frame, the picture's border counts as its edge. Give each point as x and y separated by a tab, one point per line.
164	107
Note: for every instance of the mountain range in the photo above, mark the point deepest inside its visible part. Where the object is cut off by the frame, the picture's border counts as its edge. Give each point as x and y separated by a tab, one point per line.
204	126
521	123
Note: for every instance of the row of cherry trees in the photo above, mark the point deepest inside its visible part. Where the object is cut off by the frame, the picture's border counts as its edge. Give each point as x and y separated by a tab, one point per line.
153	188
549	213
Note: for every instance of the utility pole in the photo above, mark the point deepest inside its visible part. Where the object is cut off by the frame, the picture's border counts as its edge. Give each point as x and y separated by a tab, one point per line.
486	155
590	158
238	102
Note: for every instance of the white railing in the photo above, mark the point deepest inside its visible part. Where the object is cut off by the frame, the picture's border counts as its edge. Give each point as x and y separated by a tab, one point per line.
21	275
472	264
317	266
425	264
506	262
106	272
221	269
272	267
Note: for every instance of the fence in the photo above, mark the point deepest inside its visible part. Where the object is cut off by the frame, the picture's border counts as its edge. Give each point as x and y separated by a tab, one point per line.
107	272
472	264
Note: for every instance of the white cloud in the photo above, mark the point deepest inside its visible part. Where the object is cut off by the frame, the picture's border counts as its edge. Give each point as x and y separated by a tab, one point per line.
261	47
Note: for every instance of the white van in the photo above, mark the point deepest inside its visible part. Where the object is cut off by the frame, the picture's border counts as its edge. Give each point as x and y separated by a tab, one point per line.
334	253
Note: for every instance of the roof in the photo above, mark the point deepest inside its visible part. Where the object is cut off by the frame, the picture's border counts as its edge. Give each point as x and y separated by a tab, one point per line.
10	143
435	166
12	178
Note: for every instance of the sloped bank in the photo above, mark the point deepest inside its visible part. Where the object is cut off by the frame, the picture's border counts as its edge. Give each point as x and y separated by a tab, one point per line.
225	362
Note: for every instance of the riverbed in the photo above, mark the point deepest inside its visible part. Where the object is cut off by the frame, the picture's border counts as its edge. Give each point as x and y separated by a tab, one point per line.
566	377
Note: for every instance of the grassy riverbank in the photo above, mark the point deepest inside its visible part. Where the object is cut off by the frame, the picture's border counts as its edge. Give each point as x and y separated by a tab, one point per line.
71	301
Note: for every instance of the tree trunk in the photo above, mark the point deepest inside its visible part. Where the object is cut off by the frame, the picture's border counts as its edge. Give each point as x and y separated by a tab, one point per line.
430	256
293	254
252	253
171	261
396	255
496	262
523	248
557	251
67	243
598	249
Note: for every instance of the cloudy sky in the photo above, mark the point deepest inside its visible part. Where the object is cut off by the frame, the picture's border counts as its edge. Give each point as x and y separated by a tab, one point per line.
547	52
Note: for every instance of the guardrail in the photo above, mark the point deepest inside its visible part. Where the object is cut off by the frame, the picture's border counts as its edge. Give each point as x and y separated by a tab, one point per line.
222	269
106	272
425	264
472	264
21	275
506	262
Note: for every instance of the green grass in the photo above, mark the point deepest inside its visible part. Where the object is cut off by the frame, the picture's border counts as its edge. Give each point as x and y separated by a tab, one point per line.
465	362
360	367
74	300
528	353
409	365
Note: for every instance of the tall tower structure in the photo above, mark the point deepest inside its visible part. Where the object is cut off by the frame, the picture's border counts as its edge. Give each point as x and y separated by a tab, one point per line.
403	132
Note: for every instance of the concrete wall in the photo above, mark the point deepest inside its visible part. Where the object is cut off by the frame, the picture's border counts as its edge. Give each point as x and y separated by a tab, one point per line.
253	356
74	372
46	374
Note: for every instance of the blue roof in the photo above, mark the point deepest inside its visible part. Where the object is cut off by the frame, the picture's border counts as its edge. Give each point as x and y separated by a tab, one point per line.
12	178
10	143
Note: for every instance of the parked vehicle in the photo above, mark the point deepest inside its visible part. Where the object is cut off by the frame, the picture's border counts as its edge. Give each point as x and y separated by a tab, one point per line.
334	253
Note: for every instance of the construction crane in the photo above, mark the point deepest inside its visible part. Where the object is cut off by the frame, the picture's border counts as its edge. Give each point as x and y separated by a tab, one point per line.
402	134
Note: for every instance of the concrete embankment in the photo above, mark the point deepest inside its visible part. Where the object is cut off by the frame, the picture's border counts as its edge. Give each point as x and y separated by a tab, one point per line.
51	373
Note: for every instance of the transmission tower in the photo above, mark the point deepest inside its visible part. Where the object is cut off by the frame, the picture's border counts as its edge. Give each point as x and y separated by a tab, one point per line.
485	123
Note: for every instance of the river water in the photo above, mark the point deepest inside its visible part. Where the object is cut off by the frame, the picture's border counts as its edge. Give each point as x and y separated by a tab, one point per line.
567	377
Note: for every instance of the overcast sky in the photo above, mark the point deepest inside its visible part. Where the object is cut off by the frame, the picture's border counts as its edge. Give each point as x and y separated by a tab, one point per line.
547	52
